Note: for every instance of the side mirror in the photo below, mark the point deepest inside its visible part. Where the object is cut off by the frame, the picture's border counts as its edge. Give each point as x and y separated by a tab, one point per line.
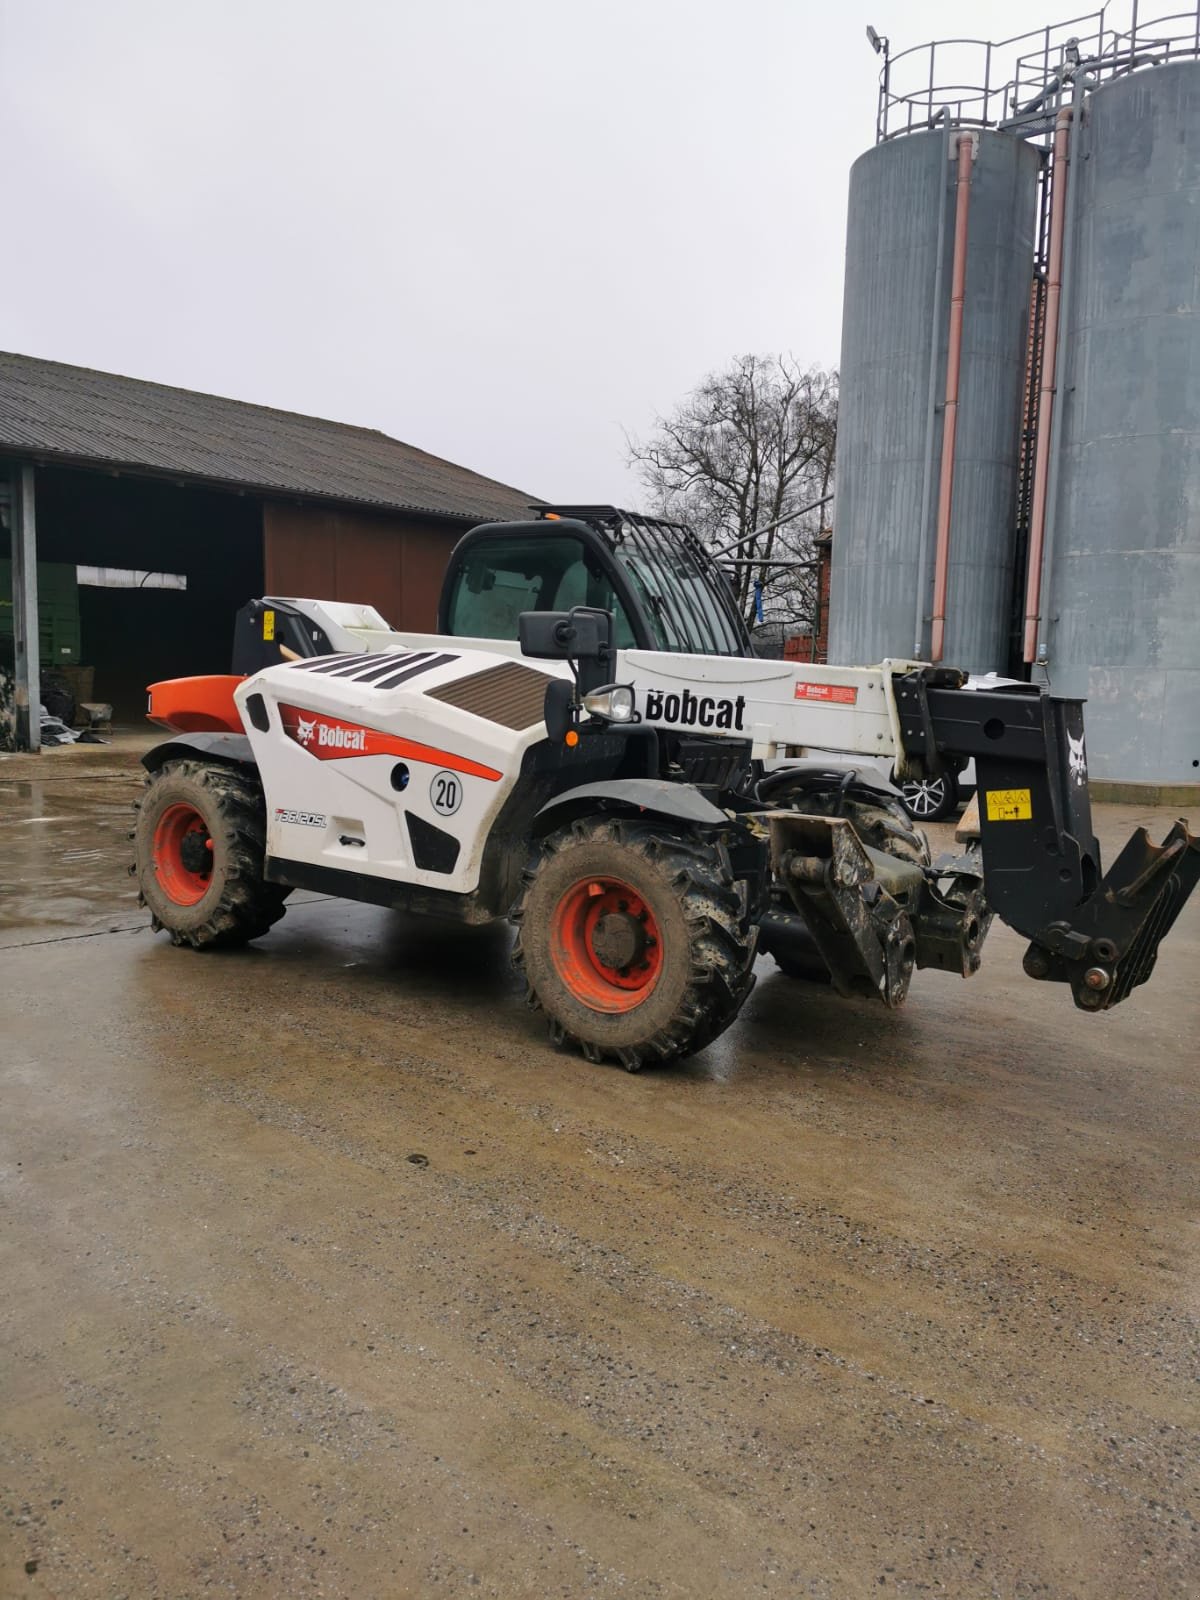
581	634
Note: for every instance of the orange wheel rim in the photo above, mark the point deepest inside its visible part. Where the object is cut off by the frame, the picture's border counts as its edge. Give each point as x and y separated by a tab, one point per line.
182	855
606	945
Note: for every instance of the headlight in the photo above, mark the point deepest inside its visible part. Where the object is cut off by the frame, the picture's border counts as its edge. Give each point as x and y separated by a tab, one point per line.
614	702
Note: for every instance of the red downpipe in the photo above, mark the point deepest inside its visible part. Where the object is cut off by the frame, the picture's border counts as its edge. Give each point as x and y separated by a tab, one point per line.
958	289
1045	412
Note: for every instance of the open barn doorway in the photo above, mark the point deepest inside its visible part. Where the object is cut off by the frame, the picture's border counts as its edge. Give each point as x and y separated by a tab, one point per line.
159	573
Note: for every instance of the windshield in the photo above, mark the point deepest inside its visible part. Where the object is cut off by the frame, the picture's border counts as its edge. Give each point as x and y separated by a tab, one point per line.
684	606
502	577
681	597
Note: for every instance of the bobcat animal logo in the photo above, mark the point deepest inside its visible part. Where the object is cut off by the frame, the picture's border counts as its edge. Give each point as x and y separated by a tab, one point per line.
306	732
1076	761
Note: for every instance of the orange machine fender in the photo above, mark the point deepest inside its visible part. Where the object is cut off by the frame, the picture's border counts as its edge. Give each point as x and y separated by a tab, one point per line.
196	705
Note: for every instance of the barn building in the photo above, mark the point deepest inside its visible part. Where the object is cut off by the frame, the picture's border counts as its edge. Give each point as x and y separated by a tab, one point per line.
174	508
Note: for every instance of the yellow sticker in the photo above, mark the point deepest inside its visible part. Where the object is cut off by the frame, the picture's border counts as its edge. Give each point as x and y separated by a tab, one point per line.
1009	805
268	625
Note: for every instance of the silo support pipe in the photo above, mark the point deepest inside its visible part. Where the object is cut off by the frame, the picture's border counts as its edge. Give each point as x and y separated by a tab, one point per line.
1046	389
931	410
958	290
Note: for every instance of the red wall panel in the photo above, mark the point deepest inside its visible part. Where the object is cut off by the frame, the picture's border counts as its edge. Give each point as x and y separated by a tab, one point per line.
390	562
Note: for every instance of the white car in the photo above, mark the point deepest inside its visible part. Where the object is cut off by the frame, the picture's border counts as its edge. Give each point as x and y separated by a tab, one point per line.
932	799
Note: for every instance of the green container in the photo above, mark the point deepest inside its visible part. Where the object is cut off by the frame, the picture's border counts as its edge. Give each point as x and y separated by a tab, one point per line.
58	612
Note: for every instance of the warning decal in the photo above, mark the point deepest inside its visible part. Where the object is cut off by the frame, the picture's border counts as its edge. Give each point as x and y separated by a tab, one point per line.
830	694
1009	805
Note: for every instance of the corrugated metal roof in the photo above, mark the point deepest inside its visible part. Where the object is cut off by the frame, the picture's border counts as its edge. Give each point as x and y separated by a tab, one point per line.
72	413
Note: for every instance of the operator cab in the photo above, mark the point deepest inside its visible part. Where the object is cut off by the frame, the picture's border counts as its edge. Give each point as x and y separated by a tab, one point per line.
661	585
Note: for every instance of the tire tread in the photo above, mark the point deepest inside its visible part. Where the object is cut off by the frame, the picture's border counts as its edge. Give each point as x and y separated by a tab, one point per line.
249	906
722	941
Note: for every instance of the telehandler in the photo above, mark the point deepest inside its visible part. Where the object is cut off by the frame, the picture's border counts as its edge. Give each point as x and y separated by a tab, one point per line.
588	746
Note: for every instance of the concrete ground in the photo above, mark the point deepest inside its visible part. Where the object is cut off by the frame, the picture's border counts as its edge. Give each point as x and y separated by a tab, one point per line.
325	1274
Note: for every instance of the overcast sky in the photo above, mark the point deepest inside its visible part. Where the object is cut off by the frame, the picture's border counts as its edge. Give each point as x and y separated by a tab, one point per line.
503	230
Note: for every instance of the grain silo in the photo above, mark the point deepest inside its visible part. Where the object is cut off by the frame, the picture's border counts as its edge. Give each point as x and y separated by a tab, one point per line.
911	199
1070	547
1119	623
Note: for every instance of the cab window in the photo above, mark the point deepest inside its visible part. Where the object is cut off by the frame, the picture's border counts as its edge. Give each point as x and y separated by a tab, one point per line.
500	578
679	598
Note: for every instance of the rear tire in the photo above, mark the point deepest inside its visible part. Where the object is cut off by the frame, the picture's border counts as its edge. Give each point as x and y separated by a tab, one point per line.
603	893
199	855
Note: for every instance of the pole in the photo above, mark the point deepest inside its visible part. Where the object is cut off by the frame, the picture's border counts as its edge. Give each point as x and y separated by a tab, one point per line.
26	629
935	328
791	517
1045	411
1064	355
958	291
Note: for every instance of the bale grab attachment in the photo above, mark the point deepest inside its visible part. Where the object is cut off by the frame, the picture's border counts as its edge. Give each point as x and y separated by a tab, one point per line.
1097	931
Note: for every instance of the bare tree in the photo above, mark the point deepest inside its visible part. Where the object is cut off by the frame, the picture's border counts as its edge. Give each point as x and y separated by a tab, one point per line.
747	447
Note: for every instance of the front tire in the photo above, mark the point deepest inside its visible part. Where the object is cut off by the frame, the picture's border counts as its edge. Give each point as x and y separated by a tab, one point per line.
634	941
199	855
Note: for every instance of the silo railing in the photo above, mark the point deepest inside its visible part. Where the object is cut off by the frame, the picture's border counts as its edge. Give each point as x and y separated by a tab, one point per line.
1017	83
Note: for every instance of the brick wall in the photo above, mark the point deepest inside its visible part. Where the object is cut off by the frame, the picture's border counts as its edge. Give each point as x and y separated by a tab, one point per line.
815	646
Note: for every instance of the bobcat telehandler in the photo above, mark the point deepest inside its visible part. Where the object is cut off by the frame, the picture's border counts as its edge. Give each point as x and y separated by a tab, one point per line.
588	746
